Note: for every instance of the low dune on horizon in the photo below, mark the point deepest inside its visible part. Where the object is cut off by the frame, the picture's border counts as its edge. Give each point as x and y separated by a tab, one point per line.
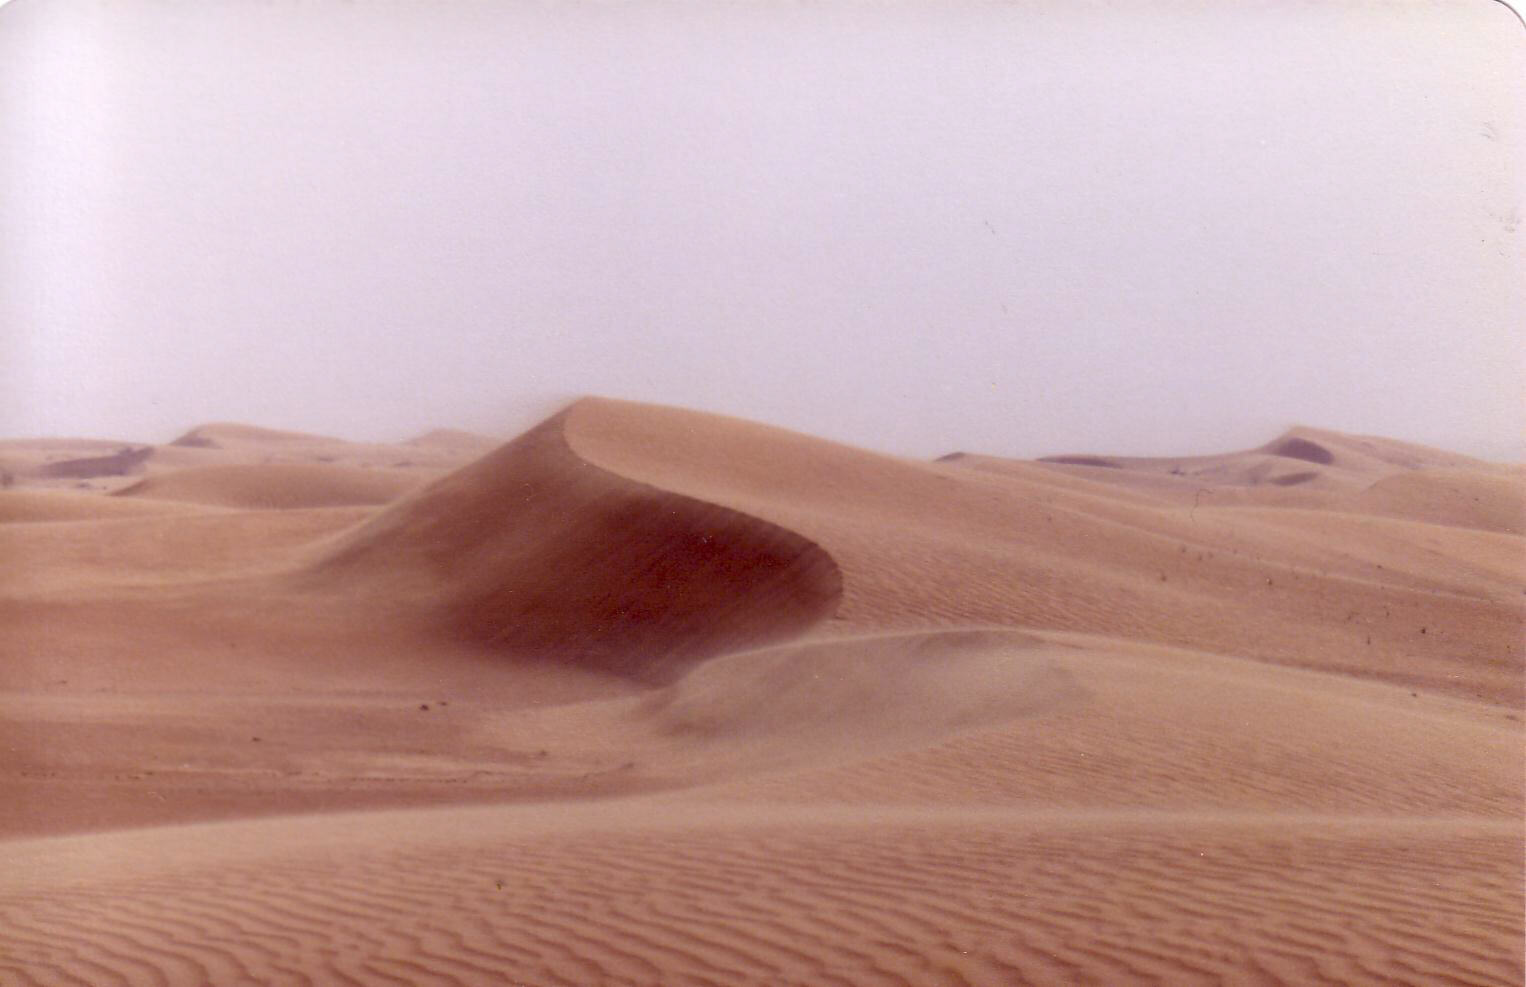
654	696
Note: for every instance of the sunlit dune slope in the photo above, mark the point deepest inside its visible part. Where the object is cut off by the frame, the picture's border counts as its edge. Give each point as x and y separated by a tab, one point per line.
275	486
33	505
1463	498
997	718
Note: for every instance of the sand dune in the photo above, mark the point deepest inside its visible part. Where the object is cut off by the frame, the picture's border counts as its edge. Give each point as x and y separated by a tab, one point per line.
1299	458
124	462
541	552
239	451
215	435
1318	469
78	463
648	696
970	548
1078	723
227	443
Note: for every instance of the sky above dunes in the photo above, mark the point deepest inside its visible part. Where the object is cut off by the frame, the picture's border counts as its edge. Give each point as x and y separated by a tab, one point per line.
1028	228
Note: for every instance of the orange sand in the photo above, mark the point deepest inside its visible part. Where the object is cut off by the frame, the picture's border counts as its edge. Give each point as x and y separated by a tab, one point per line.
647	696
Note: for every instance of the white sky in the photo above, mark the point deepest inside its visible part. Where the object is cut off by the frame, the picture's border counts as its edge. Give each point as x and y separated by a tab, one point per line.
1018	228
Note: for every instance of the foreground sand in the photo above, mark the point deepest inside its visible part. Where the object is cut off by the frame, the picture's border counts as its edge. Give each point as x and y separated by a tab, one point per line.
649	696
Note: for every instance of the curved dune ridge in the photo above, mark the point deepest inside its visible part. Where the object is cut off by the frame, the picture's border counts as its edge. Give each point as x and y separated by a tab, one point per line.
650	696
537	551
275	486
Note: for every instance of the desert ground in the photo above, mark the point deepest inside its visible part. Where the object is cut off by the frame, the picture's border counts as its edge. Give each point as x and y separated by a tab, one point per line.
652	696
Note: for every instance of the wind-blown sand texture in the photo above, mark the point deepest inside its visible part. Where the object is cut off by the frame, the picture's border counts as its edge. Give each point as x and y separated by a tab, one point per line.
649	696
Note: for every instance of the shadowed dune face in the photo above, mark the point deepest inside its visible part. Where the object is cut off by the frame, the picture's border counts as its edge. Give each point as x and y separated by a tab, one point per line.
117	464
195	440
1081	461
1294	479
1297	448
535	551
216	435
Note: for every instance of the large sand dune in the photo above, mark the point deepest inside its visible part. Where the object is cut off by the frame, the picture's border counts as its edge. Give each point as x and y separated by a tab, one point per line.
537	550
650	696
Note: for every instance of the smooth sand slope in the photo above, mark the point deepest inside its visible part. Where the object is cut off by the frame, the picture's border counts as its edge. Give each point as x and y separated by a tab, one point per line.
648	696
276	486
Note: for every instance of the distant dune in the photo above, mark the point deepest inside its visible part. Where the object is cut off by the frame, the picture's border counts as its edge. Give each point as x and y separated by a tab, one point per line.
454	438
1353	474
651	696
120	463
275	486
1302	452
217	435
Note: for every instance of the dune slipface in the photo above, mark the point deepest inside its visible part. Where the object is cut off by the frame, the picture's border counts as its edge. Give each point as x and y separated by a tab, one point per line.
538	552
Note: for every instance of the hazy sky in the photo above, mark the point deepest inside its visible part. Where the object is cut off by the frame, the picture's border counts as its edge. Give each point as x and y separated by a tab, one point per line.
1018	228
